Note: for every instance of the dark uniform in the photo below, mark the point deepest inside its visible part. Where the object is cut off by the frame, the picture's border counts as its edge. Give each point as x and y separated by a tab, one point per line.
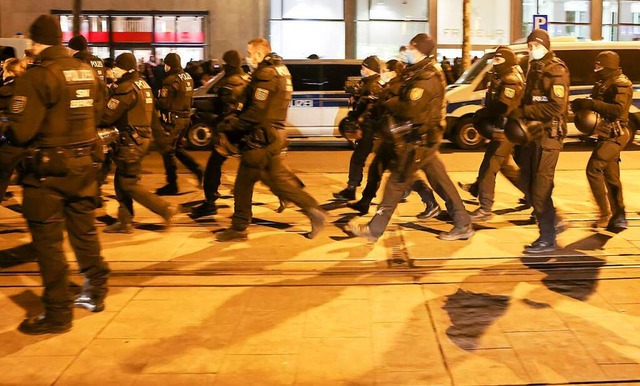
263	115
365	113
54	111
504	95
130	109
174	103
231	94
545	100
421	101
10	156
611	97
94	61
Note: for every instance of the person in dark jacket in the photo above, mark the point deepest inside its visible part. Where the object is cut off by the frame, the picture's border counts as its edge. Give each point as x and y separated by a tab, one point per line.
78	45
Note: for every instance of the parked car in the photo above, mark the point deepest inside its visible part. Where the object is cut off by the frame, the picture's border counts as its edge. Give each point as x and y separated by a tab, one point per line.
318	105
466	95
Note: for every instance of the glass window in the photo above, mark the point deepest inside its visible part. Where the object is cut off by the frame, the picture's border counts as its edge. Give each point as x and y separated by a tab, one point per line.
297	39
321	77
190	29
132	29
384	38
101	52
621	20
307	9
187	54
490	22
392	10
566	17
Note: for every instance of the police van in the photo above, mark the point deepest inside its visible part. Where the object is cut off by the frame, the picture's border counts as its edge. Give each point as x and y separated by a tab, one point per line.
465	96
318	104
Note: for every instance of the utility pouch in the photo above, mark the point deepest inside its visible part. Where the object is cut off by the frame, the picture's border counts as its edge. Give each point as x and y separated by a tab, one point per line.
51	162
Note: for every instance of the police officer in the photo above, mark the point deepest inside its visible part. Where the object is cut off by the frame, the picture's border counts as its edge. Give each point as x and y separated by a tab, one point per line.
385	154
545	100
261	125
174	103
420	101
130	109
230	90
78	44
365	114
611	97
54	109
504	95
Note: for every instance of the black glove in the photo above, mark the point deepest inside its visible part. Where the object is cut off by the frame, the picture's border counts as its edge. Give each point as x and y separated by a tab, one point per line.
582	104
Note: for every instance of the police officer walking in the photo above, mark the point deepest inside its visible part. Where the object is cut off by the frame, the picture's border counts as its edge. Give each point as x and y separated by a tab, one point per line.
261	126
130	109
421	102
174	103
54	109
611	97
504	95
230	90
79	45
545	100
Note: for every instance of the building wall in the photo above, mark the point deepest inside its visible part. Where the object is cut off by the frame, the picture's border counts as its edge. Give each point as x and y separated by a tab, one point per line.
231	23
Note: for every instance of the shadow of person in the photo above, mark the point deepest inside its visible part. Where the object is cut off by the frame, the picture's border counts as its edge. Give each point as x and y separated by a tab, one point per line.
17	255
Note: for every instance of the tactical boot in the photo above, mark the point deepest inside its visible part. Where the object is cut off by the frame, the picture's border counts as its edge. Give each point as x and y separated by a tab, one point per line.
231	234
457	233
84	300
429	211
318	218
362	206
168	190
617	223
119	227
44	324
480	215
361	230
601	222
346	194
470	188
207	208
540	246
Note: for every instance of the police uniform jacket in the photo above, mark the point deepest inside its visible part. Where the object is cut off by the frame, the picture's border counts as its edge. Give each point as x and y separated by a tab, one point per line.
505	92
231	90
176	93
131	104
371	89
93	61
6	92
547	90
612	97
56	102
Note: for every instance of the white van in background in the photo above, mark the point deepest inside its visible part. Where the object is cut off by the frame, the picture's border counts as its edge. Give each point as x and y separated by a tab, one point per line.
465	96
14	47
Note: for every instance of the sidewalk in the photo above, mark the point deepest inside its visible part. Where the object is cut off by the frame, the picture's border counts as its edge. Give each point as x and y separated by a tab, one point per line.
280	309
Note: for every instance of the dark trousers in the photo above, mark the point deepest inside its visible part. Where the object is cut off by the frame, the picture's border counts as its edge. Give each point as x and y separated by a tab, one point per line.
364	146
539	159
52	204
262	164
497	157
170	146
10	157
603	173
213	175
436	174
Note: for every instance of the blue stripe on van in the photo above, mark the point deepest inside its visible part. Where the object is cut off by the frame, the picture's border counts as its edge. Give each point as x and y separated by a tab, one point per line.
320	100
451	107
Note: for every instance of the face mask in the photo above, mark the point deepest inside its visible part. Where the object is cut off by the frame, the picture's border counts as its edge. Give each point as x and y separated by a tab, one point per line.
118	72
410	58
538	52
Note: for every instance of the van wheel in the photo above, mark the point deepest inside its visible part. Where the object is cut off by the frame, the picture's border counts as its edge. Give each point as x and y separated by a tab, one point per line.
465	136
199	136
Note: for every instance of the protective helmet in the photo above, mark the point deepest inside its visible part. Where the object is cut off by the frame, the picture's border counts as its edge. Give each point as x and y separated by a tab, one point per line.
519	131
484	123
348	127
586	121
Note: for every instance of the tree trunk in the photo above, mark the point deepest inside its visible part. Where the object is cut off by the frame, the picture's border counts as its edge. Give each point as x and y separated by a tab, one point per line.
466	34
77	9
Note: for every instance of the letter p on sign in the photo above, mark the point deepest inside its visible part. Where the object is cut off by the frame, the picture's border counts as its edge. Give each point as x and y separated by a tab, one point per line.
540	21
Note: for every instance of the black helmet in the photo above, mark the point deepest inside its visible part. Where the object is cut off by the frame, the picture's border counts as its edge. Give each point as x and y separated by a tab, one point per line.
484	123
348	127
520	131
586	121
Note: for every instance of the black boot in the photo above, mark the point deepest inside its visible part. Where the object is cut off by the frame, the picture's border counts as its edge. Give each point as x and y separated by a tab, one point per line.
362	206
45	324
207	208
170	189
346	194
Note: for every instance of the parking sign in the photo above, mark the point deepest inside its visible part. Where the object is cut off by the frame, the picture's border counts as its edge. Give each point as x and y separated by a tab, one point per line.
541	21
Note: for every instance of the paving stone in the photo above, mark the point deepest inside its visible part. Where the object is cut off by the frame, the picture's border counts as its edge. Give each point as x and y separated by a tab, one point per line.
175	379
486	367
33	370
257	370
339	318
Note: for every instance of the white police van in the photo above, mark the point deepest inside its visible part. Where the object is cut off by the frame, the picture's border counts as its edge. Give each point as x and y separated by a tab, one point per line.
466	95
318	104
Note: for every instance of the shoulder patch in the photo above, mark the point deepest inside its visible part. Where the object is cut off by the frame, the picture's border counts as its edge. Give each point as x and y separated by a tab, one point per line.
113	104
558	90
164	92
261	94
416	93
18	103
509	92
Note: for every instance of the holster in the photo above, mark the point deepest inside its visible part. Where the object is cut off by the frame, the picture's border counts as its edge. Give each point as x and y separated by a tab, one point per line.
54	161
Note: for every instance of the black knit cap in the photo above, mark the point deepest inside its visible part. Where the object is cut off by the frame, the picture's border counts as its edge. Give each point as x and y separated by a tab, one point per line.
232	58
372	63
508	55
423	43
126	61
46	30
541	36
608	59
173	60
78	43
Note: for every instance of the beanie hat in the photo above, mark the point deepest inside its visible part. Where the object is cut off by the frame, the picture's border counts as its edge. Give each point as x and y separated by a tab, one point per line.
232	58
126	61
173	60
46	30
372	63
608	59
78	43
423	43
508	55
541	36
395	65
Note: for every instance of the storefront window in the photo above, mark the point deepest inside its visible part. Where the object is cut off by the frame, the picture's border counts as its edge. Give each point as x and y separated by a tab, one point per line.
566	17
621	20
490	22
187	54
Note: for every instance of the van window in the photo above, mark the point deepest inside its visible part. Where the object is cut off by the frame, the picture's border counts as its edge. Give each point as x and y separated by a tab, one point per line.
321	77
580	65
476	69
629	63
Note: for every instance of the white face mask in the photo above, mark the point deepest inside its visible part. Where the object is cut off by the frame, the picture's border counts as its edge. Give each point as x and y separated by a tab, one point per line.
118	72
538	52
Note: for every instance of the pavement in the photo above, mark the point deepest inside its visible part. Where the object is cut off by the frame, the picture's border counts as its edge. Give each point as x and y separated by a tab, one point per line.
280	309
